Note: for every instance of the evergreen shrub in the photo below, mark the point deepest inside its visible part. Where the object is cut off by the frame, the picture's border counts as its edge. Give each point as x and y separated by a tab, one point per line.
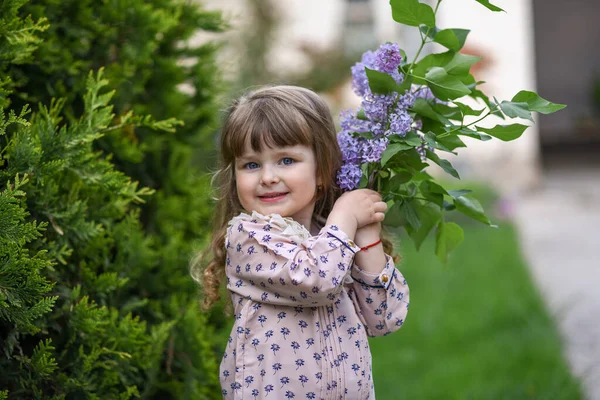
101	205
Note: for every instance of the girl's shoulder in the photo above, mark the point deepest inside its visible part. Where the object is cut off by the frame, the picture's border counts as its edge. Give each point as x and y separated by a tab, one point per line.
283	226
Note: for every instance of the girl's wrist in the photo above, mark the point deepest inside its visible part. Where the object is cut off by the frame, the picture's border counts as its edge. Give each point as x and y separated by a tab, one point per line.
347	225
366	247
366	236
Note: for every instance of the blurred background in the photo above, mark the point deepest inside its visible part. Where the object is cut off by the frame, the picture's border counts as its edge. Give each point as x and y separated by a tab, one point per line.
514	307
96	299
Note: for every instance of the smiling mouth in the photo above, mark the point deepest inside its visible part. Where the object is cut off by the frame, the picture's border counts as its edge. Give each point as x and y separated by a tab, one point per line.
272	197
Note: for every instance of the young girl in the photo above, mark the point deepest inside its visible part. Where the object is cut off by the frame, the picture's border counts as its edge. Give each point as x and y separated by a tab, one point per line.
305	267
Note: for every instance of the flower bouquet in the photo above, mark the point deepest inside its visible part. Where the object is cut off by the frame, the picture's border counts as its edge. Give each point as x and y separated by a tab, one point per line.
410	112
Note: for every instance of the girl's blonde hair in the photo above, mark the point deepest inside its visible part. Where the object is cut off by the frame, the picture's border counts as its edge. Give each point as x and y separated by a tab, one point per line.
274	116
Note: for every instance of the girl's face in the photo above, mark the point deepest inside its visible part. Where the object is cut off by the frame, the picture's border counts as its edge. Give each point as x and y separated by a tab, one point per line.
279	180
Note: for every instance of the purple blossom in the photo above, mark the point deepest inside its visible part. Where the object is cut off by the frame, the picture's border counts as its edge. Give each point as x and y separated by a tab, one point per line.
388	58
360	83
400	123
386	115
349	176
424	92
373	149
405	101
350	146
376	106
350	123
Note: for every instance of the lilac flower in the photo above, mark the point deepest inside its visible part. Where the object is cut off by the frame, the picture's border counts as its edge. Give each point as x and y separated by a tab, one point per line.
400	123
360	83
388	58
376	106
405	101
386	115
424	92
373	149
349	176
350	123
350	146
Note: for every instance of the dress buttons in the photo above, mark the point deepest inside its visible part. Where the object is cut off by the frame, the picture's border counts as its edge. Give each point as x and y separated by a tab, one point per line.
384	278
351	243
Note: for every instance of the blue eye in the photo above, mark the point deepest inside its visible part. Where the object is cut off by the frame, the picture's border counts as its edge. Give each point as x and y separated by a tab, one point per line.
251	165
287	161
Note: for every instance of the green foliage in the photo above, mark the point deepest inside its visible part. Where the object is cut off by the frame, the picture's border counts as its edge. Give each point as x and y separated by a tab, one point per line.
472	332
416	202
18	40
102	202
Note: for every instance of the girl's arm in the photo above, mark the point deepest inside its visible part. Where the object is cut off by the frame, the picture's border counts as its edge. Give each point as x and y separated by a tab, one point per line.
379	291
268	265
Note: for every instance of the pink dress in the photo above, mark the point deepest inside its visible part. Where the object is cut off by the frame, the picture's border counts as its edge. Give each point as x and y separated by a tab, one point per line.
303	311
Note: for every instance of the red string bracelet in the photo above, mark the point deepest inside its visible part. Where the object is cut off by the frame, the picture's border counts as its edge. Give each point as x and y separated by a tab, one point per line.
371	245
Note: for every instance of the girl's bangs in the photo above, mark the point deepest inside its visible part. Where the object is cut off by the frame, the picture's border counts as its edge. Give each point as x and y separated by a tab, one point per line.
270	127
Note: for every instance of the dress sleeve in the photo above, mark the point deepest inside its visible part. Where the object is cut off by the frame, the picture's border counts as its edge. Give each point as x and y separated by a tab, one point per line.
381	300
267	265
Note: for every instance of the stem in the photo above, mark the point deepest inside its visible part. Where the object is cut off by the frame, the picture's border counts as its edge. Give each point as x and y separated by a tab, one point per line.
491	110
405	197
423	41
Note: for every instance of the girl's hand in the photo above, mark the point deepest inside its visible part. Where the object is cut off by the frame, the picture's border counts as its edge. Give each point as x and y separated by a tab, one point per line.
365	205
356	209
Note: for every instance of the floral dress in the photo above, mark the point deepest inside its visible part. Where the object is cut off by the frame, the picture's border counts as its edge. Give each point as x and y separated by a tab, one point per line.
303	311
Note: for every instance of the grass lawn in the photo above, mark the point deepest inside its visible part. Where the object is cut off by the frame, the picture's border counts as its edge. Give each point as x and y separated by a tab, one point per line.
476	329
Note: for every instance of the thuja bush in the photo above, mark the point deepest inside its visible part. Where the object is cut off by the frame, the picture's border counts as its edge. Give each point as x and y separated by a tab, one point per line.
100	208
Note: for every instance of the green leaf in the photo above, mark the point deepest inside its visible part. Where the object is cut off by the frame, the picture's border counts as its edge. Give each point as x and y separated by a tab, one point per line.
433	192
401	177
516	110
505	132
380	82
470	82
453	39
393	216
448	236
460	64
429	32
422	176
410	214
392	150
488	5
536	103
405	85
471	208
361	115
412	13
411	138
466	110
474	134
459	192
411	160
444	86
431	141
445	164
427	62
451	142
423	108
429	216
364	179
447	111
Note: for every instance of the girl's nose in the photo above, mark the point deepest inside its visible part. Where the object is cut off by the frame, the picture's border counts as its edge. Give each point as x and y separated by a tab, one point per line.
268	176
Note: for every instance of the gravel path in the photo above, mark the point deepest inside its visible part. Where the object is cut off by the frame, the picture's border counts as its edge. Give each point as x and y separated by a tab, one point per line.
559	226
